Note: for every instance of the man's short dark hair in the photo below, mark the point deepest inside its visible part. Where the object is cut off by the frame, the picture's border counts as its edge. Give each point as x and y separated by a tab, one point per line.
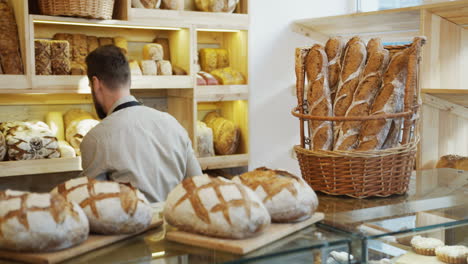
109	65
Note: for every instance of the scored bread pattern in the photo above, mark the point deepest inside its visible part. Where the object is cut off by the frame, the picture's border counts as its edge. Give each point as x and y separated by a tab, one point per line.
56	208
192	194
128	205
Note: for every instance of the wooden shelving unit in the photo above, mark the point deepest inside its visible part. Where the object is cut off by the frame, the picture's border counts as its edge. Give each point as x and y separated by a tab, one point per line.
444	119
30	96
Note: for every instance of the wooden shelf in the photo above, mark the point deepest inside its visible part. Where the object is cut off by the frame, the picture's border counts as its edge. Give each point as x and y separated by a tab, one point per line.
220	162
456	96
14	82
215	93
42	166
199	19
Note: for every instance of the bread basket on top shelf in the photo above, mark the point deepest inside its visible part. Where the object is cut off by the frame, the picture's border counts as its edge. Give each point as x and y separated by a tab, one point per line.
362	173
97	9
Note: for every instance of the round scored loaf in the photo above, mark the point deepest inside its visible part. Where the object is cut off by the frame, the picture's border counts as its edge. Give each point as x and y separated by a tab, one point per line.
215	207
226	135
36	222
287	197
111	207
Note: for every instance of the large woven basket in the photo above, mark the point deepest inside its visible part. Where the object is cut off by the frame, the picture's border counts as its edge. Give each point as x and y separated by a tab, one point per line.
98	9
362	174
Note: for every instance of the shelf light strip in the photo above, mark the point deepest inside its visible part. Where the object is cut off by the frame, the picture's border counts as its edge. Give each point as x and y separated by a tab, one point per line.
102	25
217	30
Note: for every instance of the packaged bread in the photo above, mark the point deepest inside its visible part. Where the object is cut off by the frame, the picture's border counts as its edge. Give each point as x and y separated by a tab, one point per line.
149	67
66	150
164	42
226	6
228	76
222	58
226	135
111	207
55	122
153	51
60	57
364	95
173	4
30	140
79	48
76	132
164	67
353	61
151	4
215	207
287	197
453	161
319	98
10	56
209	79
334	49
77	68
135	69
3	147
389	100
122	44
205	146
93	43
176	70
103	41
208	60
200	80
42	57
40	222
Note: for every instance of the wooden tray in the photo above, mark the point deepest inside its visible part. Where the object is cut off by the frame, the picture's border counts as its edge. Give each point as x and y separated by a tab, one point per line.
242	246
94	242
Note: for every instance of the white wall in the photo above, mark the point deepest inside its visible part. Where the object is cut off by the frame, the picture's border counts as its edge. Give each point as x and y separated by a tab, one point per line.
273	130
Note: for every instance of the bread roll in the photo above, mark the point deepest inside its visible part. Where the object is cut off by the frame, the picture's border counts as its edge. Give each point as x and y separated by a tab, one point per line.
226	135
10	56
93	43
208	60
111	207
318	98
164	67
135	69
3	147
55	122
60	57
79	48
76	132
287	197
216	207
36	222
149	67
105	41
153	52
353	62
122	44
453	161
173	4
388	101
368	87
334	49
205	146
66	150
42	54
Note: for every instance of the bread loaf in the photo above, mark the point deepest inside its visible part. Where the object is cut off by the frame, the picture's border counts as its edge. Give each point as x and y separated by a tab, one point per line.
42	55
368	87
172	4
200	80
79	48
105	41
74	116
226	134
111	207
334	49
60	57
209	79
228	76
288	198
3	147
55	122
164	67
205	146
66	150
77	68
151	4
222	58
453	161
208	60
354	58
149	67
10	56
122	44
164	42
318	98
76	132
93	43
226	6
388	101
34	222
216	207
153	52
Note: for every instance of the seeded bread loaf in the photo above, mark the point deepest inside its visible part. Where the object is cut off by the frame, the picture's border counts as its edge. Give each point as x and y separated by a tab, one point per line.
60	57
42	57
10	56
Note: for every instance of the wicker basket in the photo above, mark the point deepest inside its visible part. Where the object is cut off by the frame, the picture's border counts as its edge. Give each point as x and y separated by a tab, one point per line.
98	9
362	174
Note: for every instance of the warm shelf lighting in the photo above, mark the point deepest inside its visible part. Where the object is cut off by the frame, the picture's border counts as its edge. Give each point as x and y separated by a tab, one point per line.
217	30
158	254
102	25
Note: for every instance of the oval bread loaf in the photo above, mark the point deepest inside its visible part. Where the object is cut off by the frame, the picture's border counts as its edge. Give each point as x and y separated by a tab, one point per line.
111	207
40	222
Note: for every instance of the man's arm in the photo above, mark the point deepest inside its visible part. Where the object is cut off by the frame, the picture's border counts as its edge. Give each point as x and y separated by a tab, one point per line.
93	159
193	167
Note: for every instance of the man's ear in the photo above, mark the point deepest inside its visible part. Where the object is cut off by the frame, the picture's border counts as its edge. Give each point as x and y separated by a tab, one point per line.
97	87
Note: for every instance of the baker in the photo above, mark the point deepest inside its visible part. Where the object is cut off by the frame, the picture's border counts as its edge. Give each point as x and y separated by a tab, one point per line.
133	143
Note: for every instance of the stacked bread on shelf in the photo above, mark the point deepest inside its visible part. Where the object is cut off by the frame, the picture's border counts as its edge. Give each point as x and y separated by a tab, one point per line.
226	134
10	55
216	69
353	80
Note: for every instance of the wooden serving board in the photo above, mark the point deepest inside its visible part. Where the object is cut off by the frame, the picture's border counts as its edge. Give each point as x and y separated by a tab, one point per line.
243	246
94	242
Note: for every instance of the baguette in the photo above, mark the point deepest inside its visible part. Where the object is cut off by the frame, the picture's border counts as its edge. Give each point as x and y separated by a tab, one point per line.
353	64
388	101
318	98
334	49
369	85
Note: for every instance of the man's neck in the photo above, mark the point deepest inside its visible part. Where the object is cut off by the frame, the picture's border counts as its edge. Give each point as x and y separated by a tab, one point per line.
114	97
